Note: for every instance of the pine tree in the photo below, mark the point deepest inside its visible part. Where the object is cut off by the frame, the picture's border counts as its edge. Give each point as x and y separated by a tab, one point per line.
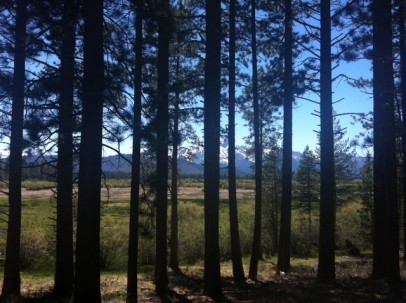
308	181
402	72
366	188
132	270
87	267
257	125
236	256
212	279
164	25
272	181
326	268
386	233
64	270
285	230
11	280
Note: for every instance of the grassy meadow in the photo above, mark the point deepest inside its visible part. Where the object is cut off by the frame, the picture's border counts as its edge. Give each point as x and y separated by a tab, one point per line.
38	235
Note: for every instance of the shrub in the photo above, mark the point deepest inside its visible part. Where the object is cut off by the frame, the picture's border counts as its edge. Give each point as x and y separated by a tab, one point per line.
349	226
35	247
191	232
146	250
113	243
303	243
246	225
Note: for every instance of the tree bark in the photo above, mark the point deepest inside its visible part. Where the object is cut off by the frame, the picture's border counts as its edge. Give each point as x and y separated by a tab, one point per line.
236	256
174	258
161	273
132	270
87	267
212	89
386	241
402	54
256	243
326	268
64	269
11	280
285	230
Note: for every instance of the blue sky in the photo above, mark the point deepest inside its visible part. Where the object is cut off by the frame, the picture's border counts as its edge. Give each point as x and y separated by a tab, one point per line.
353	101
305	123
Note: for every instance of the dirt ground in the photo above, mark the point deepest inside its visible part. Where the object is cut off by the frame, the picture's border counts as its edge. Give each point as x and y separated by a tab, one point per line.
299	286
114	194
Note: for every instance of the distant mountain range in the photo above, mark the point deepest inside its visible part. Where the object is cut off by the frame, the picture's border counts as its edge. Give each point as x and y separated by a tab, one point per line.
191	161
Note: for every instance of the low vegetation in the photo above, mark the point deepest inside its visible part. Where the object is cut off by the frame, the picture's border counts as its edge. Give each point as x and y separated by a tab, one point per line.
38	247
38	229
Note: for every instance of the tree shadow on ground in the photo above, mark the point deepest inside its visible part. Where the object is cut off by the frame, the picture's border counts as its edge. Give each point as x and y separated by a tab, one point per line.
353	285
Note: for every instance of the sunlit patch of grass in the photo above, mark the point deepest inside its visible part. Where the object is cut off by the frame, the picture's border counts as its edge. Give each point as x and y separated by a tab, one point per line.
117	183
38	184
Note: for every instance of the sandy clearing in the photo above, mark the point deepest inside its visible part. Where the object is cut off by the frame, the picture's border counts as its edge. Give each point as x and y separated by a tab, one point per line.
115	194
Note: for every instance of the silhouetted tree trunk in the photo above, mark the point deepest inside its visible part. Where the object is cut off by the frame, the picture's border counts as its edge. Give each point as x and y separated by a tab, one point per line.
386	251
285	231
64	221
256	243
87	269
326	268
380	98
236	257
173	258
212	279
132	269
161	273
402	54
11	280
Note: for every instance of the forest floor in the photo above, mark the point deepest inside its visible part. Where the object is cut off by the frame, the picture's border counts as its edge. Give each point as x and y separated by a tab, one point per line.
353	285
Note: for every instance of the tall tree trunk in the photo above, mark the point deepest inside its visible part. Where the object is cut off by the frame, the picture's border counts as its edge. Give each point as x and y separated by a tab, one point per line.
402	53
386	252
161	273
87	267
212	88
64	222
132	269
309	206
256	243
380	99
326	268
11	280
174	258
236	256
285	231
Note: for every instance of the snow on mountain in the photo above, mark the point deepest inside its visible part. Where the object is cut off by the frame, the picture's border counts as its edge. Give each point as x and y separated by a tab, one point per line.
191	161
242	162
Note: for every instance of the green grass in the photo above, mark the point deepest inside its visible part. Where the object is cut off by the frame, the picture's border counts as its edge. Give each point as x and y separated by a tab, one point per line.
38	229
38	184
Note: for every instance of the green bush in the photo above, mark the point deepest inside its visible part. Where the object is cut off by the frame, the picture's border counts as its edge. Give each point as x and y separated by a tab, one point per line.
146	250
191	232
303	242
349	227
246	225
35	247
113	243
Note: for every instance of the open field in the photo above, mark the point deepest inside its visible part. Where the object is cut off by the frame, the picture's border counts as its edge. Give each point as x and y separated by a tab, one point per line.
118	193
300	285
